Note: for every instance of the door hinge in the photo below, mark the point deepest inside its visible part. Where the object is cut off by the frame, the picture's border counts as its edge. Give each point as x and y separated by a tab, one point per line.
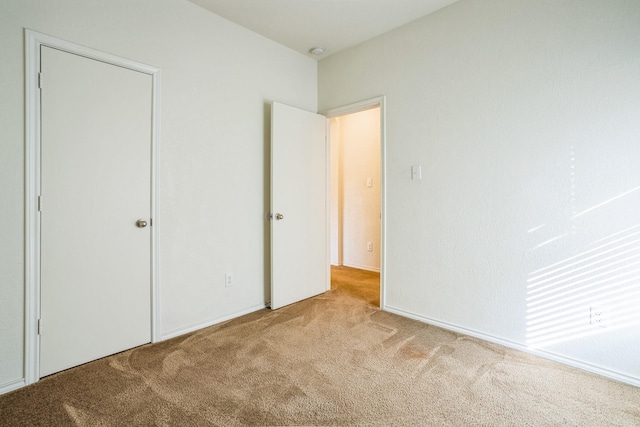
39	80
39	203
39	326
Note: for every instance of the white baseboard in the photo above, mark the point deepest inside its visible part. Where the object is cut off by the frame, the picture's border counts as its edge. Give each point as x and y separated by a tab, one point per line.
191	328
362	267
517	346
12	385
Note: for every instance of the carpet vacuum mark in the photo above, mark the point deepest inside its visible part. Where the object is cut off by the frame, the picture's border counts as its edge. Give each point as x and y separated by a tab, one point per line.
331	360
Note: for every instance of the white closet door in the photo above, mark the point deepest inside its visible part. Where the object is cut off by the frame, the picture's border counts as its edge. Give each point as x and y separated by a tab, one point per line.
96	185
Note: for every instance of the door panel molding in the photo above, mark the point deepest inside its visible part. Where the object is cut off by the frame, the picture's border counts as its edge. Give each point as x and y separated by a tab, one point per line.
355	108
33	43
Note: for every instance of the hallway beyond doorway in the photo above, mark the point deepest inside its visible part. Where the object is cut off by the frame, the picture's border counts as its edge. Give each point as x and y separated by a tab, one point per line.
362	284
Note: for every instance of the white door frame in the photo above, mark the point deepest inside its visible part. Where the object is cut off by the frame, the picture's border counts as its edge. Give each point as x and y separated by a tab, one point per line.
33	42
355	108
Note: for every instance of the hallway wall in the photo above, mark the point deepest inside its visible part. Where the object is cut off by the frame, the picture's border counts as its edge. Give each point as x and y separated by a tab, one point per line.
356	188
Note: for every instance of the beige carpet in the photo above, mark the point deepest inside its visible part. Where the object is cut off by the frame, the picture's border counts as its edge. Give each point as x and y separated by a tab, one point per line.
360	284
331	360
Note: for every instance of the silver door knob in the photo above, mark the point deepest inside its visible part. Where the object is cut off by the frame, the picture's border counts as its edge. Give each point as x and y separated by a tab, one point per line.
141	223
279	216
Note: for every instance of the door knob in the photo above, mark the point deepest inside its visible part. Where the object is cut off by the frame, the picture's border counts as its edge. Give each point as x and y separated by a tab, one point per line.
279	216
141	223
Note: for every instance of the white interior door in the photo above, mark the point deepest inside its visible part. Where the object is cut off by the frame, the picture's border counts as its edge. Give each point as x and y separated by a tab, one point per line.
298	204
96	183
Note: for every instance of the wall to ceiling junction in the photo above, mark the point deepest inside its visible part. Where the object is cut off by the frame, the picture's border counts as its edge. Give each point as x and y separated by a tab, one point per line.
525	118
216	85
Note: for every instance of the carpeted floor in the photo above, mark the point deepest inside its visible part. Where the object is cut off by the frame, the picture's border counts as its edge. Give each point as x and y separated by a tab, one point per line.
331	360
360	284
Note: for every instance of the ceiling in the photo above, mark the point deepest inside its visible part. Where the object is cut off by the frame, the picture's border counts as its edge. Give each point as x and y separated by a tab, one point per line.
333	25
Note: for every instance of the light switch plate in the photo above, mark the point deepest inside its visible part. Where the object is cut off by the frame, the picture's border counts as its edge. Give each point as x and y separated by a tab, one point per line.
416	172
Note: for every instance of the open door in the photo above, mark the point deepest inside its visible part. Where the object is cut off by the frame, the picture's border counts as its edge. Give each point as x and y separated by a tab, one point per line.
299	267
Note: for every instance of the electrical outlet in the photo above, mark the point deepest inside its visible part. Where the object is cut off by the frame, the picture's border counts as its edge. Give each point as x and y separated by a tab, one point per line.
228	280
369	246
598	316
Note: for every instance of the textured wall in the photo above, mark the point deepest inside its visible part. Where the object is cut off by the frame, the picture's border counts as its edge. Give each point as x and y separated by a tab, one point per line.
217	81
525	117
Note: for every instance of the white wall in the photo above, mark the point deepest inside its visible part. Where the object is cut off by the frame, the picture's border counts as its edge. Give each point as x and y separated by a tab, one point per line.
217	80
525	117
356	137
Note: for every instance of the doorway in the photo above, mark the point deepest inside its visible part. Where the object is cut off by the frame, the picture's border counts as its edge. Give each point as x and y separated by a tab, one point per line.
301	171
356	135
